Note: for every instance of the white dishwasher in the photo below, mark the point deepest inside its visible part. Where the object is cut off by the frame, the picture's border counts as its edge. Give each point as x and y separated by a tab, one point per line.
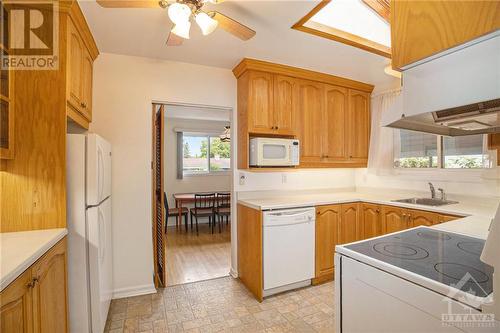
288	246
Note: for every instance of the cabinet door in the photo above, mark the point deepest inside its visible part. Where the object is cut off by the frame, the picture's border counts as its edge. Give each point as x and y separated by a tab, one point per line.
336	101
358	126
16	306
49	293
393	219
350	227
260	103
87	75
371	220
447	218
327	224
285	103
310	121
420	217
75	60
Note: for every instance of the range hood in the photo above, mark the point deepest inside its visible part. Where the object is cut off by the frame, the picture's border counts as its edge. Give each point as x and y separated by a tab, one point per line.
454	93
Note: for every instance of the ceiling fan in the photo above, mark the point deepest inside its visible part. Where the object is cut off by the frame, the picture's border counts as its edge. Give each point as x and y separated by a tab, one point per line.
180	13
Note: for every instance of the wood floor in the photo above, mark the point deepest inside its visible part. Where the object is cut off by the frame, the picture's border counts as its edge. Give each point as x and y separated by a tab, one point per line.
191	258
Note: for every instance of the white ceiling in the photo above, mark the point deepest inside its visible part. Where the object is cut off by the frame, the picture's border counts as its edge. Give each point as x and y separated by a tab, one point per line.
197	113
143	32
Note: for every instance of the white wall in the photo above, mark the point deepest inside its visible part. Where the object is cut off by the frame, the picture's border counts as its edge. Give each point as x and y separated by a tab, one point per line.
198	183
124	88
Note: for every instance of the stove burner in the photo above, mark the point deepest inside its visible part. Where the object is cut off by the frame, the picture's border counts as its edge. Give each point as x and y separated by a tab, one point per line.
433	235
401	251
459	271
475	248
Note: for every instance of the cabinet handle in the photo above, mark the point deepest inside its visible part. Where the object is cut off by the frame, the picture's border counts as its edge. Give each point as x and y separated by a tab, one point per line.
277	127
32	283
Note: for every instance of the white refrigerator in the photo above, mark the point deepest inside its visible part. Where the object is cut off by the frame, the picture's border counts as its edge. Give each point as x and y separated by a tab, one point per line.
90	256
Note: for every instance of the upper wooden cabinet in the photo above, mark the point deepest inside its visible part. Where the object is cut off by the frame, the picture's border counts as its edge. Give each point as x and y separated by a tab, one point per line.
81	53
37	300
358	126
420	29
329	115
310	128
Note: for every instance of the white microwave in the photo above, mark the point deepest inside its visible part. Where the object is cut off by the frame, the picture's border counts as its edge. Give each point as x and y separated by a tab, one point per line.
274	152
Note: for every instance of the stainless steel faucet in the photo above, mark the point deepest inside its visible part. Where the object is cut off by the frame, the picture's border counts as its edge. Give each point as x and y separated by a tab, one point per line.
443	194
433	191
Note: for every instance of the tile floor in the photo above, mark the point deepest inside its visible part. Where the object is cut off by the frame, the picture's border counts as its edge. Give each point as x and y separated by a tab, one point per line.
223	305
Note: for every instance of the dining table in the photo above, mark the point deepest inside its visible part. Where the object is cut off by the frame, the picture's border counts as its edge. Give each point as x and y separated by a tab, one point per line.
185	198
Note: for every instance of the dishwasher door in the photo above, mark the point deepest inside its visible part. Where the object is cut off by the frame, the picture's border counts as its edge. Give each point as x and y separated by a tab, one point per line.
288	246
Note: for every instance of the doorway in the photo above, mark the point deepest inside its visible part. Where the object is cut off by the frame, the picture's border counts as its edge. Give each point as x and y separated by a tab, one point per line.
194	155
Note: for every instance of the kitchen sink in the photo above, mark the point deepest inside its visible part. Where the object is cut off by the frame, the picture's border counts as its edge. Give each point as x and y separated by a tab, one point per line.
426	201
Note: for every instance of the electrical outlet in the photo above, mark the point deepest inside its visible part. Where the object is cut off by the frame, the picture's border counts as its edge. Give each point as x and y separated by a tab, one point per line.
242	179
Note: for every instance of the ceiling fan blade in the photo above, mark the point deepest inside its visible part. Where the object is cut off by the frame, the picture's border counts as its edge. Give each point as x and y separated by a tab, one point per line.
233	27
174	40
129	3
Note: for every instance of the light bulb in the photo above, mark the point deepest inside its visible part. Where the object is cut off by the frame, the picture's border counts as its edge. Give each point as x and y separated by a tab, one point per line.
179	12
182	29
206	23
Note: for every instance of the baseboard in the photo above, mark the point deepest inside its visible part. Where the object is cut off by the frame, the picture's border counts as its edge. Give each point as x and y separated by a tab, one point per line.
134	291
233	273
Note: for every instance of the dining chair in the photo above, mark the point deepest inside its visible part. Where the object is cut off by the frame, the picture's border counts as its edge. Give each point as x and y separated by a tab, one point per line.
223	208
204	206
174	212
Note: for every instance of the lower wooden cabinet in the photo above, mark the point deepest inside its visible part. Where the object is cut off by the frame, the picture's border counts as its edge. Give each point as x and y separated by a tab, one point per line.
393	219
327	227
421	218
37	300
350	226
371	220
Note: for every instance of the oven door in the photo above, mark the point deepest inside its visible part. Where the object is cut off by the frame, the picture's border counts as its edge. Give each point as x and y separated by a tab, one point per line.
273	153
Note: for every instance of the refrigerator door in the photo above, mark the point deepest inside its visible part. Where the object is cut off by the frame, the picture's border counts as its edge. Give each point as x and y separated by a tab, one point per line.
79	303
100	262
98	169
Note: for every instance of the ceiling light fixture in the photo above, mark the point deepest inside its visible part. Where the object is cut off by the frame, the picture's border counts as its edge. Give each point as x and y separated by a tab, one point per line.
206	23
179	12
182	29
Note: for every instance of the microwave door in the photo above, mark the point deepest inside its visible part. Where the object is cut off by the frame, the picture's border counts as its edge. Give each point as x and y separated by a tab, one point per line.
274	154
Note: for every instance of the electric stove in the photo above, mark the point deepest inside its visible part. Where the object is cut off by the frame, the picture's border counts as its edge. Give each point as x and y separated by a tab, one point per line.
444	257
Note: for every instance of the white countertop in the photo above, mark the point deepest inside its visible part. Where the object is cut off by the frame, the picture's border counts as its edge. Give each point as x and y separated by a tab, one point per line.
478	211
20	250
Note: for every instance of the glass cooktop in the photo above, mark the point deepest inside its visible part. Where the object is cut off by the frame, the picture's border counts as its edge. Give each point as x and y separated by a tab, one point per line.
445	257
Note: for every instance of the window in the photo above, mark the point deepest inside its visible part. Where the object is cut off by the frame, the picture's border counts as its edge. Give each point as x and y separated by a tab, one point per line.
422	150
204	154
360	23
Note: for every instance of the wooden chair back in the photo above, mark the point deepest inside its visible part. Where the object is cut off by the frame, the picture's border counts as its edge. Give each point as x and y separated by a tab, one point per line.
204	201
223	200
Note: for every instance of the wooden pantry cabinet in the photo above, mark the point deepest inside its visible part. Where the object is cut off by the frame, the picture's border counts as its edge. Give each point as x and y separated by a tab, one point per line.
36	302
81	53
420	29
328	114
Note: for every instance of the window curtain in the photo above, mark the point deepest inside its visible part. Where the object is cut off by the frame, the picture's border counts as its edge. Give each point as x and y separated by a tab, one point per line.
180	156
382	142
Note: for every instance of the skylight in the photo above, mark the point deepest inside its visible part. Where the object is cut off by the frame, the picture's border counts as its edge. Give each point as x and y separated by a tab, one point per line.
356	18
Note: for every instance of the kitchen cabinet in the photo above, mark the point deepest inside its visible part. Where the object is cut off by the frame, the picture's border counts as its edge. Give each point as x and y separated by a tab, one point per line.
6	108
421	218
79	76
420	29
310	124
370	220
393	219
329	115
285	103
334	122
37	300
358	126
16	314
350	226
327	226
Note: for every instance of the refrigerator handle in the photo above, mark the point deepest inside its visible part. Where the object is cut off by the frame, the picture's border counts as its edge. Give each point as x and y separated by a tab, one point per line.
102	234
100	173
